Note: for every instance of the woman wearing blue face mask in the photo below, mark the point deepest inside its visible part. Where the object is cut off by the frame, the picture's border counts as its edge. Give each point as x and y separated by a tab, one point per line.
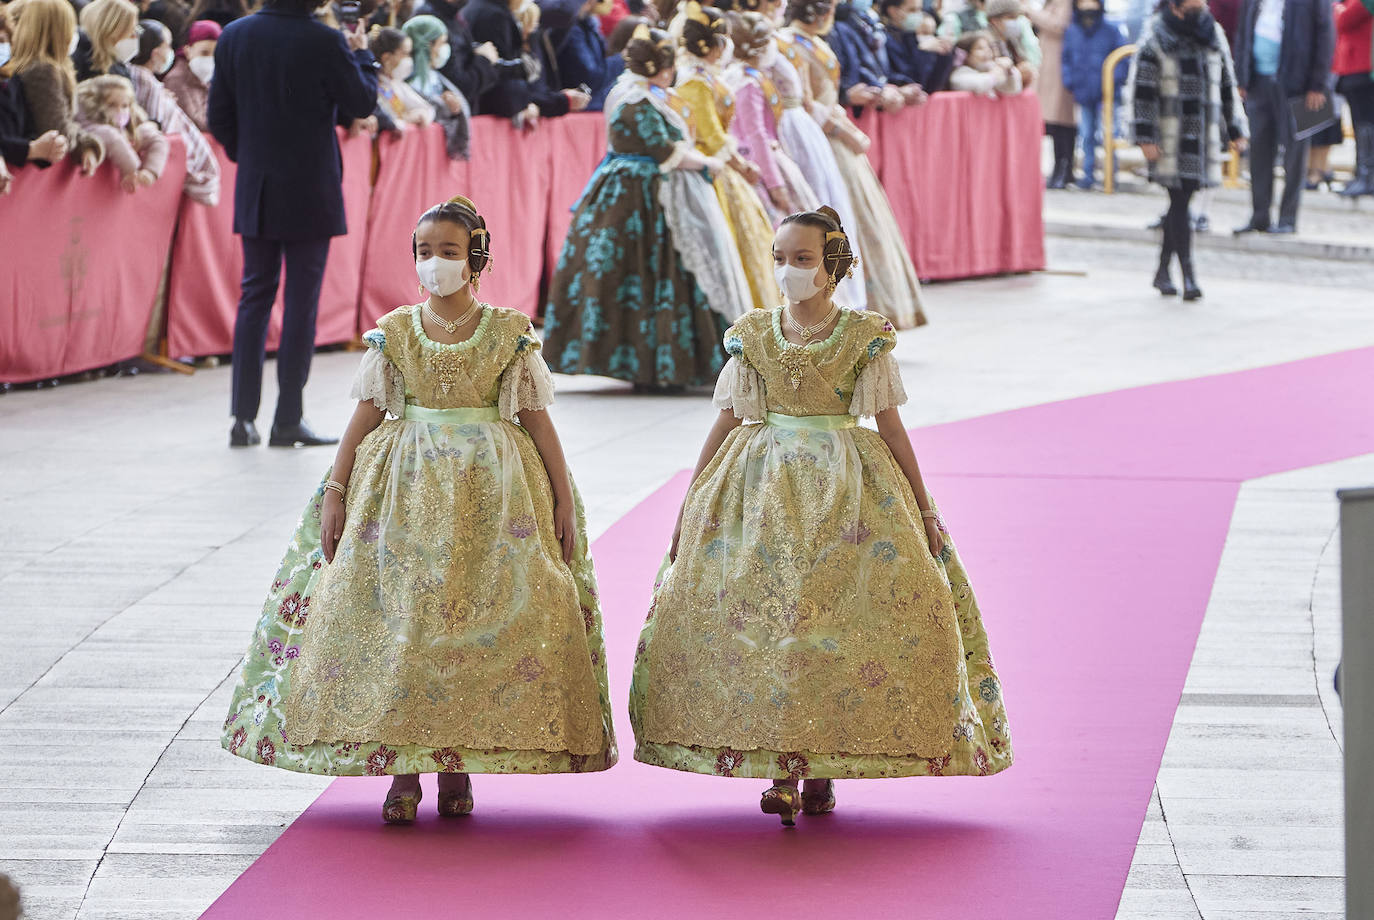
154	58
436	611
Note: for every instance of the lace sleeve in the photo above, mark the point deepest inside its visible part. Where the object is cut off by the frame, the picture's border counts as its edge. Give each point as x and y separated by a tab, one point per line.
526	384
740	388
878	387
379	382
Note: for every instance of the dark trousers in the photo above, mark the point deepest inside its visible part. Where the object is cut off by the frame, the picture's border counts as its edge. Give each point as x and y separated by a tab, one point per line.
262	261
1271	127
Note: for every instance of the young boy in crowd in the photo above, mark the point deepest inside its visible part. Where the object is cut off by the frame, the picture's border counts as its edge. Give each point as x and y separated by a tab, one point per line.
1087	43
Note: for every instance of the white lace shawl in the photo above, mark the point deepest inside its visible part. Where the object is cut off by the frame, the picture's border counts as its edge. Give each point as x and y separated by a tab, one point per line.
378	381
878	387
526	385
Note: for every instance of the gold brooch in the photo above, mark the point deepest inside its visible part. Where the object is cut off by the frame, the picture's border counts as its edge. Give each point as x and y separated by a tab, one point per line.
448	366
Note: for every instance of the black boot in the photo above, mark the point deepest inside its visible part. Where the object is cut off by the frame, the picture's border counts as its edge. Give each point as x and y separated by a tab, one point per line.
1163	283
1059	177
1363	183
1190	289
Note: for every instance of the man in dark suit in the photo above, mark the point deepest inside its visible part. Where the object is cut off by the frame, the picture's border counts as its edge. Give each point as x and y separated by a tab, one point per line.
1283	52
281	83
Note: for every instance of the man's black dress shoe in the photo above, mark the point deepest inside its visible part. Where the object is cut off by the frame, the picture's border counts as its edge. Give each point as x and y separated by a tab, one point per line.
244	434
1251	227
297	435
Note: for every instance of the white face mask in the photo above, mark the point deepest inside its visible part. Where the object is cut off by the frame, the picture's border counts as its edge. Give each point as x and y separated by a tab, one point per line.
71	48
403	70
442	57
203	68
797	284
442	277
168	60
4	53
125	49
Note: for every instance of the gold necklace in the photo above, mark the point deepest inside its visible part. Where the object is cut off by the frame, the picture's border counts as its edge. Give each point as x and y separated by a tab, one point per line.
451	327
809	332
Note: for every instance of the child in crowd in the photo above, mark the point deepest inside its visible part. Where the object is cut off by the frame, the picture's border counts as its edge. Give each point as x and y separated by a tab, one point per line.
105	107
436	610
982	72
402	104
1088	42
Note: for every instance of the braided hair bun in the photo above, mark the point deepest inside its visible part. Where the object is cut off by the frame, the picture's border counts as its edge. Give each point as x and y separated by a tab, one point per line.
751	33
703	29
649	52
462	211
837	255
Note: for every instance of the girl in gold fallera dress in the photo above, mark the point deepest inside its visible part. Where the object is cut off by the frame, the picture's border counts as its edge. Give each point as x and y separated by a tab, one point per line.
710	107
436	610
815	621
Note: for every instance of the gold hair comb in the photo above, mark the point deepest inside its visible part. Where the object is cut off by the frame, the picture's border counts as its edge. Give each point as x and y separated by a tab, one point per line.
696	13
642	33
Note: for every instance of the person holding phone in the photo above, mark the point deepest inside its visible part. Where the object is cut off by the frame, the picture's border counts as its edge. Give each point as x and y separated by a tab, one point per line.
288	201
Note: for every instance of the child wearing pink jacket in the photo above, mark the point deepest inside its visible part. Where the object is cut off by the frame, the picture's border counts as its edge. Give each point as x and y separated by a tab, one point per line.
105	107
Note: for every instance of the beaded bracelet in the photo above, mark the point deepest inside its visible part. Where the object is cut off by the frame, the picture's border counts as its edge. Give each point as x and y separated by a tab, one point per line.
332	486
931	515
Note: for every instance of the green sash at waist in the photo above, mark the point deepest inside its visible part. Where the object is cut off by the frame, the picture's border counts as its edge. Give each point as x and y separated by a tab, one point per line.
813	422
466	416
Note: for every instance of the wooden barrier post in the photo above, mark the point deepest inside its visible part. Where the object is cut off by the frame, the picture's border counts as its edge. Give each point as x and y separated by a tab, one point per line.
1109	140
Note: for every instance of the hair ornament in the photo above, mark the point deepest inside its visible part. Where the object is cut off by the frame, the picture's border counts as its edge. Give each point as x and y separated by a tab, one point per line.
695	13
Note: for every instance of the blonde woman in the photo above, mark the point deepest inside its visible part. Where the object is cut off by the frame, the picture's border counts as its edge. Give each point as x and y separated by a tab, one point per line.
109	39
44	36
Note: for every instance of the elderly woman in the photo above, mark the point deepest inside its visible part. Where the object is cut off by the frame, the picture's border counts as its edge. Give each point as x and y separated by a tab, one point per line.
1183	65
155	57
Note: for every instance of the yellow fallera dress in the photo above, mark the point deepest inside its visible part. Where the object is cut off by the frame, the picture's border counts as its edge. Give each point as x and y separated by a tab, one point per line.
709	109
805	629
448	634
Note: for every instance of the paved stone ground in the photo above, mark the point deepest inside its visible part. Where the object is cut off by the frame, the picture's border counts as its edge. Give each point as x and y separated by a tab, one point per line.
136	548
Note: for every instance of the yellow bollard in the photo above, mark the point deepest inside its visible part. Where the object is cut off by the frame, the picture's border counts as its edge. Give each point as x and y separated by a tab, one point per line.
1109	140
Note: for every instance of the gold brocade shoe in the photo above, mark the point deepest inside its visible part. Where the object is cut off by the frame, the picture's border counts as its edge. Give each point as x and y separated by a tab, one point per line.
783	801
819	803
402	808
456	804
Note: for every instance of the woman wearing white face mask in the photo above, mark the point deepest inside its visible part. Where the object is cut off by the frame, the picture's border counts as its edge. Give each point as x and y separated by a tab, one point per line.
194	70
815	620
402	104
109	39
437	610
155	57
430	53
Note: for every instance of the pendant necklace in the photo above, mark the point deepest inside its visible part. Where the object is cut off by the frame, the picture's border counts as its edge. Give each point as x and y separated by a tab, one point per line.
451	327
810	332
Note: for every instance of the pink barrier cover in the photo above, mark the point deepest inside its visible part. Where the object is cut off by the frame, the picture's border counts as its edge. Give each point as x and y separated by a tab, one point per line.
74	293
207	264
962	173
507	178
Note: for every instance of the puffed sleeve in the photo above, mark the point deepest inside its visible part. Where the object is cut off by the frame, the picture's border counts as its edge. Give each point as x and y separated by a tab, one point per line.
740	386
378	380
526	384
879	384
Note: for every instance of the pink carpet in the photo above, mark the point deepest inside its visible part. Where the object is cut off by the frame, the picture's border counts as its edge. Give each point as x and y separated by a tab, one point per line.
1092	530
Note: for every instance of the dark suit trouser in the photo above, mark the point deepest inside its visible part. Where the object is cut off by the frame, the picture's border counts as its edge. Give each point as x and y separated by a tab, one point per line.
262	261
1271	126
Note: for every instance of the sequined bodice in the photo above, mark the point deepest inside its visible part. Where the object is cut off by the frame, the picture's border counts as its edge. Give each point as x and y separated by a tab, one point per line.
816	379
464	375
